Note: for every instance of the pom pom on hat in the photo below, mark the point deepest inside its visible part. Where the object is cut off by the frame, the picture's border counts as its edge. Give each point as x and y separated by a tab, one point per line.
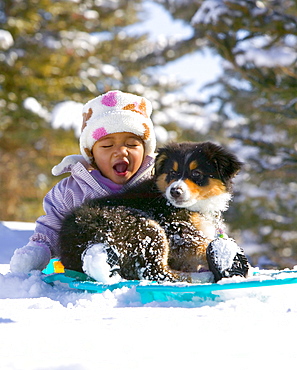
116	112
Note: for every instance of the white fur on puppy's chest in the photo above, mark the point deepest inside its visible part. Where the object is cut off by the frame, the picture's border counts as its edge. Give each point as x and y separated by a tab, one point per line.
207	228
215	204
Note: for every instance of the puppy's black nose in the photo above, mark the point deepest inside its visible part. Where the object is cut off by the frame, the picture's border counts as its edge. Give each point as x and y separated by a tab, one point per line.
176	192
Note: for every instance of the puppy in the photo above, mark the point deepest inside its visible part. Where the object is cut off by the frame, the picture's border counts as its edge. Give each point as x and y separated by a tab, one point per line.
160	229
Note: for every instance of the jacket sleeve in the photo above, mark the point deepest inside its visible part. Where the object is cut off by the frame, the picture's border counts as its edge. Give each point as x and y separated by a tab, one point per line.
63	197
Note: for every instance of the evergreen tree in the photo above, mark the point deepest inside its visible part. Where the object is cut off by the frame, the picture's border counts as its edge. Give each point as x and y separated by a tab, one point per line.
57	51
256	101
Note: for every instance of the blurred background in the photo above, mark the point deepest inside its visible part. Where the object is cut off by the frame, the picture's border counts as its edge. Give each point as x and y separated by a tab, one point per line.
215	70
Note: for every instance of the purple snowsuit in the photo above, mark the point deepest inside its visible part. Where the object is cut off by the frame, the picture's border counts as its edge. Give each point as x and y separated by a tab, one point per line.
72	192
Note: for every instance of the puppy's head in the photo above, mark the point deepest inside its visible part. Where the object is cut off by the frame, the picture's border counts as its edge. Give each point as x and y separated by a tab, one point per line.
196	176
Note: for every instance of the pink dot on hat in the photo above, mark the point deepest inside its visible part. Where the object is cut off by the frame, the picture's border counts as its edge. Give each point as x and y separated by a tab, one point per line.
99	133
109	99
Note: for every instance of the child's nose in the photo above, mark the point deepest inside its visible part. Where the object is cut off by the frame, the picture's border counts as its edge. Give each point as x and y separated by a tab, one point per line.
121	150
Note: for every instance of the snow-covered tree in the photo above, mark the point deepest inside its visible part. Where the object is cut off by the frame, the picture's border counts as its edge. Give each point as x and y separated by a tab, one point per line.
55	56
255	99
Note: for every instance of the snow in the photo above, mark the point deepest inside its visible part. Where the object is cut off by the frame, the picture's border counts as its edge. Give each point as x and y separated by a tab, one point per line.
34	106
95	264
225	250
45	327
256	49
210	12
274	57
67	115
6	40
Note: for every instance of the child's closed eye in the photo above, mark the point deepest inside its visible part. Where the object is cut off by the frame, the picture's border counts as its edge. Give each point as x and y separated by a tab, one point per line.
133	143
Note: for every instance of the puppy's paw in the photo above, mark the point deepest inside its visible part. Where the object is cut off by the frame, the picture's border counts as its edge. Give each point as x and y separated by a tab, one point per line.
226	259
95	263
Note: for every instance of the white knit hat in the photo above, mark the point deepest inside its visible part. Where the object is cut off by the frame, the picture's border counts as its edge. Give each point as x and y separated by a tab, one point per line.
115	112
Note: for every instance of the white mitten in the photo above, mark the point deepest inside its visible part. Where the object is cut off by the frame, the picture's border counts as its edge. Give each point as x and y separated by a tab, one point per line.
67	162
32	256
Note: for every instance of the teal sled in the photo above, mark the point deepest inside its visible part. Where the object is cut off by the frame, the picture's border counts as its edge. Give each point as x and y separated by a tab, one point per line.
150	291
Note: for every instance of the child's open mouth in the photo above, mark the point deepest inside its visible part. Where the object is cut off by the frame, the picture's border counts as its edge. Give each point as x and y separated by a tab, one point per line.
121	168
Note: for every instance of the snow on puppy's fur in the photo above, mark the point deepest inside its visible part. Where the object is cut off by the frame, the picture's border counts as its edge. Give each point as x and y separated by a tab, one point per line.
162	227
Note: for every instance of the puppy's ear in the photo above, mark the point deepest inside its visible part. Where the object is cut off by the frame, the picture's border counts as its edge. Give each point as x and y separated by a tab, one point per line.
227	164
160	160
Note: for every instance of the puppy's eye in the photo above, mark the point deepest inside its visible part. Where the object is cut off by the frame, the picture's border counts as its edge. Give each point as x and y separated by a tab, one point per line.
172	173
196	174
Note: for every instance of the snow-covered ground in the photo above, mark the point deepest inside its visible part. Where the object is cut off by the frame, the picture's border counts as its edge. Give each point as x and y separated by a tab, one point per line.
45	327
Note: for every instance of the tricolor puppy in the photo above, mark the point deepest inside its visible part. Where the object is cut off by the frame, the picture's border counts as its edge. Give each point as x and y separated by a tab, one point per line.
159	230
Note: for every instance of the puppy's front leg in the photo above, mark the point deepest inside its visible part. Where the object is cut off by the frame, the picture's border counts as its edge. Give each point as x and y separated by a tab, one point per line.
187	244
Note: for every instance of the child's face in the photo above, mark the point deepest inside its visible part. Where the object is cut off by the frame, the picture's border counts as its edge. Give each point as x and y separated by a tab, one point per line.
119	156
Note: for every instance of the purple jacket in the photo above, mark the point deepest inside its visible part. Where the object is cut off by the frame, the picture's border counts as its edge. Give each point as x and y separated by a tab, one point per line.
72	192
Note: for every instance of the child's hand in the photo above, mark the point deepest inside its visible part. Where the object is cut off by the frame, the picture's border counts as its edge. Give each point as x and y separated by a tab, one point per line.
30	257
67	162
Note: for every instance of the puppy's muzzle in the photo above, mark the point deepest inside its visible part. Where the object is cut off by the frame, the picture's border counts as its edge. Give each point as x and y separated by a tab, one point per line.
176	191
179	194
